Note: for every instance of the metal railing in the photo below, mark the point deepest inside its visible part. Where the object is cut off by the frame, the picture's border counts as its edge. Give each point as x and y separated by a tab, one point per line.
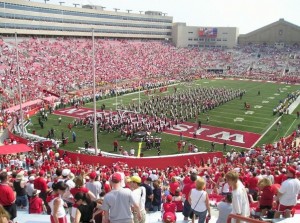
242	218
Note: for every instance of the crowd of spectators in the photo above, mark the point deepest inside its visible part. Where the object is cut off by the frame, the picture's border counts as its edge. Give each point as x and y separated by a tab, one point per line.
126	65
69	61
258	170
58	181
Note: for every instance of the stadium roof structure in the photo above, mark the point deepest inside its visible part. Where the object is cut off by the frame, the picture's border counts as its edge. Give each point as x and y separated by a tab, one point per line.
279	31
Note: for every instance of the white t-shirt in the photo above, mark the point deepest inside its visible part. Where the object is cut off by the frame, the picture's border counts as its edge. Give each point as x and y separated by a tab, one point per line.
139	196
240	202
289	189
198	204
225	188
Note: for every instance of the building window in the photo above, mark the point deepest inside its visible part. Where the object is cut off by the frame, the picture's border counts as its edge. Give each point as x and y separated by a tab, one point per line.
191	32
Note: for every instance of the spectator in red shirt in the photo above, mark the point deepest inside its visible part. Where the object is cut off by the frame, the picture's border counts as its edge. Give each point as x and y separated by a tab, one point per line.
36	204
186	194
173	185
40	183
169	206
266	195
252	186
8	196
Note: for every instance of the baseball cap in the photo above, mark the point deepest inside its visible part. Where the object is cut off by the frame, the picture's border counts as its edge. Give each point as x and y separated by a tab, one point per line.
116	178
36	192
93	175
292	171
42	173
135	179
169	216
66	172
169	197
31	178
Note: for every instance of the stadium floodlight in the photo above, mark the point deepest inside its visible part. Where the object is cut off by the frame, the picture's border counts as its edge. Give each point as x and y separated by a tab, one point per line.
128	10
61	3
164	14
46	1
141	12
116	9
75	4
102	7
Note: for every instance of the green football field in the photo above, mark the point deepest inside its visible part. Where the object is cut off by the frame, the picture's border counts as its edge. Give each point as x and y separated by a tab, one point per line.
232	115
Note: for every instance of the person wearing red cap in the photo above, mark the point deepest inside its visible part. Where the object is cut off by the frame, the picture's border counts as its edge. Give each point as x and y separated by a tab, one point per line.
287	193
169	217
40	183
94	184
119	202
169	207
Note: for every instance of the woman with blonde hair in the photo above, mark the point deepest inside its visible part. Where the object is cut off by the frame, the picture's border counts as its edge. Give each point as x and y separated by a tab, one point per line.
266	195
4	215
199	200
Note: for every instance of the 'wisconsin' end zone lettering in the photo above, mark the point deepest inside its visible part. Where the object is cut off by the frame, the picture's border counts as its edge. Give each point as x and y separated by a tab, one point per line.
190	130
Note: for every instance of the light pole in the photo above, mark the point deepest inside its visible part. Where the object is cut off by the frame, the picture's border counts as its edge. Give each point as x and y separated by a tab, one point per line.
139	96
94	91
116	9
46	1
141	12
116	95
19	85
75	4
128	10
61	3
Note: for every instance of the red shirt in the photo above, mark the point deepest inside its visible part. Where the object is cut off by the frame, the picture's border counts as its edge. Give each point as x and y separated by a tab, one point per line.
173	187
252	183
76	190
7	195
40	184
35	205
266	198
169	207
187	189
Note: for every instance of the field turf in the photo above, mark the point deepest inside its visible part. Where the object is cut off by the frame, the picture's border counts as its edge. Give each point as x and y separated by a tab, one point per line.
232	115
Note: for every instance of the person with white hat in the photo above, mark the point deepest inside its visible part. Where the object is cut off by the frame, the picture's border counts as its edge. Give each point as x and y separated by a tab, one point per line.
36	204
30	186
19	186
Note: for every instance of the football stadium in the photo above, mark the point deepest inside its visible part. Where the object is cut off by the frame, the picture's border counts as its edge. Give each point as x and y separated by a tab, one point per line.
189	123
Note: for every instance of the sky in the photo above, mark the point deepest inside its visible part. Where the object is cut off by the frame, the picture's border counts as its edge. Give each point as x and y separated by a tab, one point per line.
247	15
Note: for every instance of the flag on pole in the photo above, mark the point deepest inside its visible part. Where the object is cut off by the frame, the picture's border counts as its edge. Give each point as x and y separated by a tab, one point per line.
139	150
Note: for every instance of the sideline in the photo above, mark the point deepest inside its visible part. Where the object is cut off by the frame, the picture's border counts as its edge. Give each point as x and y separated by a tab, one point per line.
291	109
